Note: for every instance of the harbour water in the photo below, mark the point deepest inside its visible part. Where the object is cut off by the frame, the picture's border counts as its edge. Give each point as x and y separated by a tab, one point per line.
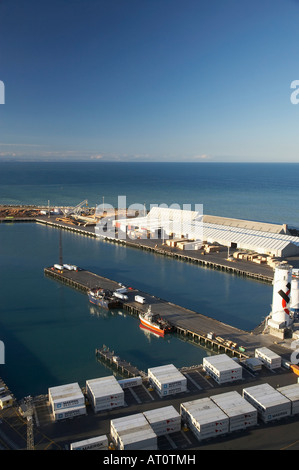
51	331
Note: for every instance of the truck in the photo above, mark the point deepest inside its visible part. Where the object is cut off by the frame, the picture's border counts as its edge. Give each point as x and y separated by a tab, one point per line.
139	299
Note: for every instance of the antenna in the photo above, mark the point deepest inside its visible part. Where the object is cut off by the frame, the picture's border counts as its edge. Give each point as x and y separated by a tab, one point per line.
60	249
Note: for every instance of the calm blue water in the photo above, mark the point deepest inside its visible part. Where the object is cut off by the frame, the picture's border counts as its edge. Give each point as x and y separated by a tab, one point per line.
51	331
263	192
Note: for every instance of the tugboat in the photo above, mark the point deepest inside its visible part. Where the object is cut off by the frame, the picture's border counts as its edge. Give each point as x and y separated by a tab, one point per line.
103	298
154	322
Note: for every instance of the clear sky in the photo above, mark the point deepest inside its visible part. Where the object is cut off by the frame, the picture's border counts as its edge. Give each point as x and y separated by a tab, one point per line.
167	80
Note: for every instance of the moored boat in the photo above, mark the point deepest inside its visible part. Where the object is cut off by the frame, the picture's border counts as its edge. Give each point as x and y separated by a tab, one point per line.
154	322
103	298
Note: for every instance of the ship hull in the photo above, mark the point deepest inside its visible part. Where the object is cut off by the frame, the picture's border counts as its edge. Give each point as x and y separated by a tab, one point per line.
104	303
150	326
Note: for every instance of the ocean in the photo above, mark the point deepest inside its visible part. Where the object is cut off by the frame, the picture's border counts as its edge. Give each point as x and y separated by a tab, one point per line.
50	331
256	191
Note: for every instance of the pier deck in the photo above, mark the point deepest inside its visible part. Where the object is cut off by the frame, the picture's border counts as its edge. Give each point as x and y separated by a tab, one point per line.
191	325
124	367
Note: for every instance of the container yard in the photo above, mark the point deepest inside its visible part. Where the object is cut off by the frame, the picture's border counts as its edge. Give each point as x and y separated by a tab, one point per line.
222	368
240	412
104	393
269	402
167	380
133	432
205	419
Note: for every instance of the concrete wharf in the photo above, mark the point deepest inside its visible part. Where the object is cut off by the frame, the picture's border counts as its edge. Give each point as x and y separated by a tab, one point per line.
188	324
212	261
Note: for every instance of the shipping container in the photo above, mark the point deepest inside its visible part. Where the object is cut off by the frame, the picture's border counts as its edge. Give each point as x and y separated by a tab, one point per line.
204	418
94	443
133	433
269	358
222	368
164	420
240	412
104	393
270	404
67	413
131	382
292	393
167	380
66	396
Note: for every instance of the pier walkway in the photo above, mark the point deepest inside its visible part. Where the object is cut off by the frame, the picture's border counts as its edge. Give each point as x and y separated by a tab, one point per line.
191	325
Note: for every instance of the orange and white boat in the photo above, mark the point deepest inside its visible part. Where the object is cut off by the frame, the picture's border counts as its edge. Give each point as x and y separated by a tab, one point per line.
154	322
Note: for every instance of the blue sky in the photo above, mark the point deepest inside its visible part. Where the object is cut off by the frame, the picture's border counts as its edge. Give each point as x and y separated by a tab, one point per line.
148	80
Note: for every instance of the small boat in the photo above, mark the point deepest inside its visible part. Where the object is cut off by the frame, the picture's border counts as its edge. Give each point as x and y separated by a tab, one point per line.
103	298
154	322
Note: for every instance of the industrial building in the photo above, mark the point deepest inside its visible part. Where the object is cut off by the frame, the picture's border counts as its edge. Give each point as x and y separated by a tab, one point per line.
263	238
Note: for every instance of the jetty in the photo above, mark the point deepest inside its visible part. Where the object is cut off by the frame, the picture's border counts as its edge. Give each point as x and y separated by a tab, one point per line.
189	325
121	365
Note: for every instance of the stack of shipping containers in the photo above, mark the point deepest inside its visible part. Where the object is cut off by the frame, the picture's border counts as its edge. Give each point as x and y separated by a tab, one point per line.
167	380
240	412
164	420
269	402
204	418
66	401
95	443
268	358
133	433
222	368
292	393
104	393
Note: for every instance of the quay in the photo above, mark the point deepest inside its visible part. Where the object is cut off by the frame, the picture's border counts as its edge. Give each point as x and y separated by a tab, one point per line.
122	366
211	261
187	324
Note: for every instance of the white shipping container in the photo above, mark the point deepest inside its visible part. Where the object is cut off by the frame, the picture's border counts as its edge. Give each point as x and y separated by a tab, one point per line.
292	393
269	358
131	382
94	443
66	413
164	420
133	433
204	418
270	403
167	380
104	393
139	299
240	412
222	368
66	396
